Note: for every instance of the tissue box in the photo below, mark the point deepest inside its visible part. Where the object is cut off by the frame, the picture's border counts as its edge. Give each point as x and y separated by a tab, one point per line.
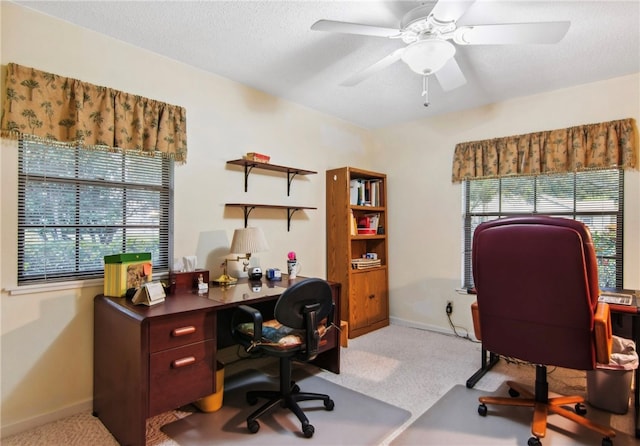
124	271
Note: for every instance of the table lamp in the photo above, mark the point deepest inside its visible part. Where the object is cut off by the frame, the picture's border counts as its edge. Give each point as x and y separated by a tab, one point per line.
246	240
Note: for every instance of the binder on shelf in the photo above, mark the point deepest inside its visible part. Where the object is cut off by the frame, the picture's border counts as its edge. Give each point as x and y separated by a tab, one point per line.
354	190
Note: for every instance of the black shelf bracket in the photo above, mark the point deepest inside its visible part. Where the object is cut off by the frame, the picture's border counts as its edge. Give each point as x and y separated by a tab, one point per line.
247	170
290	175
290	212
247	211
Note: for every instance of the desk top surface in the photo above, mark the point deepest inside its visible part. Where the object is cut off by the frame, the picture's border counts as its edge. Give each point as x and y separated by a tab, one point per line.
216	298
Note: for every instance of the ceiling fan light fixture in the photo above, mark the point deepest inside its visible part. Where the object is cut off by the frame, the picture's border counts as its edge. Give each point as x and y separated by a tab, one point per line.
428	56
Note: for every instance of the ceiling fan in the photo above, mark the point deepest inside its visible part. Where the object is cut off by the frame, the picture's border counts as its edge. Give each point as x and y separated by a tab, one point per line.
429	30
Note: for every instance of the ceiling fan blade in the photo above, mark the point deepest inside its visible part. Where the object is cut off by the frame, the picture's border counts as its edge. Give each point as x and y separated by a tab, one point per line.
450	10
512	33
353	28
450	76
379	65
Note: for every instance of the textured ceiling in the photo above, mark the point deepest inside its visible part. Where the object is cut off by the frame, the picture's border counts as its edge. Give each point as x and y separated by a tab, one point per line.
268	45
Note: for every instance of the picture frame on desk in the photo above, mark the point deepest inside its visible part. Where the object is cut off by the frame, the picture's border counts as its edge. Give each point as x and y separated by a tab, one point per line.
149	294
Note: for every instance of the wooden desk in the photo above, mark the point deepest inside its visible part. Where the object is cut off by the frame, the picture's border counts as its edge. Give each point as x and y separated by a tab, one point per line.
148	360
489	359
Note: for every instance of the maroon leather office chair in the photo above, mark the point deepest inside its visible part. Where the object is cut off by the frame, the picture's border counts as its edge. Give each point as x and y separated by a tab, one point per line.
537	300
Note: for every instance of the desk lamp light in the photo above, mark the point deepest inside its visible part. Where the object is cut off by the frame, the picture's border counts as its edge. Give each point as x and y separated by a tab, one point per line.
247	240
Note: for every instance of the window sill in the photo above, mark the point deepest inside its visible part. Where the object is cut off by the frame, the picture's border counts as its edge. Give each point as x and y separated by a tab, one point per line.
60	286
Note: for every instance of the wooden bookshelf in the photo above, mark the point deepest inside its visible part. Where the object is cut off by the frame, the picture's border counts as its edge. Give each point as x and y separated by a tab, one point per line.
365	305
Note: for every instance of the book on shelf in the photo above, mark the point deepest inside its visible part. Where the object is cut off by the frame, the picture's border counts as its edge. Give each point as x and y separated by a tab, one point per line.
353	229
365	263
374	221
354	190
365	192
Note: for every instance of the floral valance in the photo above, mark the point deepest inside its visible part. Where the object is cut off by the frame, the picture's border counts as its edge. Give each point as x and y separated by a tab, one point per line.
52	108
593	146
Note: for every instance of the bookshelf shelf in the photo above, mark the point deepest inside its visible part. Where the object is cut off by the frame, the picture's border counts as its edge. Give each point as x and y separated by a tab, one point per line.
366	306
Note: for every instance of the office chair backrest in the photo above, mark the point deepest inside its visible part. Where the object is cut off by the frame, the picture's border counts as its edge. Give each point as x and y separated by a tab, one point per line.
537	284
289	309
303	306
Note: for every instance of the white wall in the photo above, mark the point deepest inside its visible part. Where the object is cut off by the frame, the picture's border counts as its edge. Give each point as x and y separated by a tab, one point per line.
47	336
46	348
425	208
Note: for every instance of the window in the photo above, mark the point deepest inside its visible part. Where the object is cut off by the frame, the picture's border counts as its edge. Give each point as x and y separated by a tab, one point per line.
593	197
76	206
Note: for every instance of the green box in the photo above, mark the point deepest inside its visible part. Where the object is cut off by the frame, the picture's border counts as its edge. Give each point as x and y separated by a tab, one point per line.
127	257
124	271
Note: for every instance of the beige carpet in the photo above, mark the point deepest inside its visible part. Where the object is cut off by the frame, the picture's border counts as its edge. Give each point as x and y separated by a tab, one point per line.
454	420
406	367
356	419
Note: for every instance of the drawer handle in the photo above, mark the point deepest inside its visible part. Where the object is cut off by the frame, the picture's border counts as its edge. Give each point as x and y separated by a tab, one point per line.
182	331
372	296
183	362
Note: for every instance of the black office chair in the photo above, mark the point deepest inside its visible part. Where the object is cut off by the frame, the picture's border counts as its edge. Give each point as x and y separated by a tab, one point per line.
302	315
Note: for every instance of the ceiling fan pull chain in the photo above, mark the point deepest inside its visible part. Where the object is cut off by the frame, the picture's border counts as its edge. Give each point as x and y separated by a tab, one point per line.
425	90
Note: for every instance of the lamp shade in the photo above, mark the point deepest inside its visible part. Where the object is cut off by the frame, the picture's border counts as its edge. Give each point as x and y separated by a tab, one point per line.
428	56
248	241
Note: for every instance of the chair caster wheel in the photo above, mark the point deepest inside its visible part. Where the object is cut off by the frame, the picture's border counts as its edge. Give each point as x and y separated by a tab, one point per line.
513	393
329	404
295	388
580	409
253	426
606	441
308	430
482	409
534	441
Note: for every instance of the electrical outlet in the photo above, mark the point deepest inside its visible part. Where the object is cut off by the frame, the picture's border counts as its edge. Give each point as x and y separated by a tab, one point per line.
449	307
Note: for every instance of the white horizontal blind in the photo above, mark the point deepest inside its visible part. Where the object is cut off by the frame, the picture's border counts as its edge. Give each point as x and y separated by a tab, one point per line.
76	206
594	197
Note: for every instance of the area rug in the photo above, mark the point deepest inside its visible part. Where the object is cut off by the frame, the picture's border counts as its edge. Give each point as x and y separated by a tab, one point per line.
357	419
454	420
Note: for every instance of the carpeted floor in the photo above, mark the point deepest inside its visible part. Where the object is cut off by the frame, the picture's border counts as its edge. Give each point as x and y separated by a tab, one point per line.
356	419
454	420
405	367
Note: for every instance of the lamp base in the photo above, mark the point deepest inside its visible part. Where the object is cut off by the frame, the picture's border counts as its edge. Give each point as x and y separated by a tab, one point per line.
224	278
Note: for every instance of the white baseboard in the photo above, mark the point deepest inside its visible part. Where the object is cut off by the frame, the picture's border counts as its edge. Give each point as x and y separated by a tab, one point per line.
39	420
414	324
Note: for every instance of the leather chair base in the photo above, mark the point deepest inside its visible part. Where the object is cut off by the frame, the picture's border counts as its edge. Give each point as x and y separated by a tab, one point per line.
542	408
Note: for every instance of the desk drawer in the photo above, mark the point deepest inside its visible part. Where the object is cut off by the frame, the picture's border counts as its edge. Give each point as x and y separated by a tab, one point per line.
180	330
181	375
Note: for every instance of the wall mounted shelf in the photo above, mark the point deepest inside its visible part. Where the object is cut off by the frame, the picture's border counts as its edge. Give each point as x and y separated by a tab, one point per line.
248	207
250	165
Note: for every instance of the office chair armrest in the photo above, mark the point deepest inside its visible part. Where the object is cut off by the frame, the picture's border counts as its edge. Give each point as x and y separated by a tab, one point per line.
603	333
475	315
256	317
